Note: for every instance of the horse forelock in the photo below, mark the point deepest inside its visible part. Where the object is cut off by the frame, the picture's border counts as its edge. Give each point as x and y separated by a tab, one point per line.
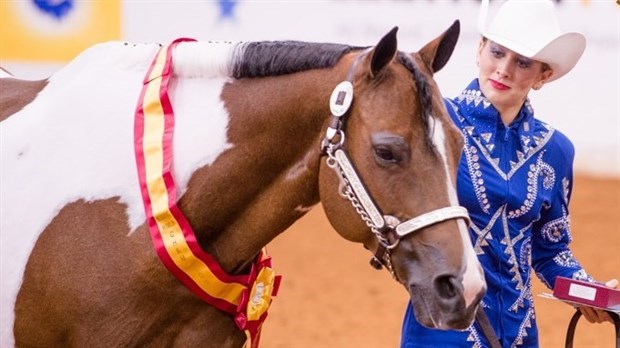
424	92
272	58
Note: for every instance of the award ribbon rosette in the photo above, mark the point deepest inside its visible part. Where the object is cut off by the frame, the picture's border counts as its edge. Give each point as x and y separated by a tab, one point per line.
245	297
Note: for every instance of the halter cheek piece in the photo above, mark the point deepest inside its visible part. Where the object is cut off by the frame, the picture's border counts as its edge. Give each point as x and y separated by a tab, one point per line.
388	229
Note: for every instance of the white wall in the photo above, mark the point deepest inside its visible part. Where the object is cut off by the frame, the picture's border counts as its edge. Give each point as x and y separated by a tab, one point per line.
584	104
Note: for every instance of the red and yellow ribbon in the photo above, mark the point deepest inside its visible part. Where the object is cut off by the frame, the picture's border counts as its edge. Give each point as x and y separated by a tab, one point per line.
246	297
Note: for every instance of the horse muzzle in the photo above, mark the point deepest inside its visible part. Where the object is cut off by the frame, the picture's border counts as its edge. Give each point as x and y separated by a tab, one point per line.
441	303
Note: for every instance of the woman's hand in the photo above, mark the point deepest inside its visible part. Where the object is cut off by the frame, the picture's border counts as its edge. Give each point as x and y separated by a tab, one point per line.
595	315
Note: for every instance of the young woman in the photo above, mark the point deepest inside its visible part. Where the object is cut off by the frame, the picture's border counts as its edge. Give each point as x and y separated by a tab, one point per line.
515	176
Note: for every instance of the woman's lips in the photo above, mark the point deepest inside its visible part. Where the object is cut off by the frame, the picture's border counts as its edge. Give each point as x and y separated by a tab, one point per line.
498	85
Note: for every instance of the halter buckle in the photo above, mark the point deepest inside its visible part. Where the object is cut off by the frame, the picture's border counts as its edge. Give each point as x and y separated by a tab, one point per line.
375	263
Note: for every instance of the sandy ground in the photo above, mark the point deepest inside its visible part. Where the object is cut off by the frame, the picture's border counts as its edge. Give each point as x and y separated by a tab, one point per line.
331	297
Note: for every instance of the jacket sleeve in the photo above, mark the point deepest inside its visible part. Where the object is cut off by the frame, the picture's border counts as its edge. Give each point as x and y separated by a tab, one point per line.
551	233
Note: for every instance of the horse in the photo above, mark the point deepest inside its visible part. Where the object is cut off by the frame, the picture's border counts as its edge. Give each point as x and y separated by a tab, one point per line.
263	132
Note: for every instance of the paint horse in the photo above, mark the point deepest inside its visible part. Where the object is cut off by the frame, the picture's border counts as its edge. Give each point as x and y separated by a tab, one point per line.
235	142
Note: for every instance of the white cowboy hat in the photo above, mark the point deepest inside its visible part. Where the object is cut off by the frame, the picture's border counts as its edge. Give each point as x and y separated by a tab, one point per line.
531	29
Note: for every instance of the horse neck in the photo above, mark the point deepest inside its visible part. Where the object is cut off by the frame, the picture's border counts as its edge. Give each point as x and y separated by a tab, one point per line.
269	178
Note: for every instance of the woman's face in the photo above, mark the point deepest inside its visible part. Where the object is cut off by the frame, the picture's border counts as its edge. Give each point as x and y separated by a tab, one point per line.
506	77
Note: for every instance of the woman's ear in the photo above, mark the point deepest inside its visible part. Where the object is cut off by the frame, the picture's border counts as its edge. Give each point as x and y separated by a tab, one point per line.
544	77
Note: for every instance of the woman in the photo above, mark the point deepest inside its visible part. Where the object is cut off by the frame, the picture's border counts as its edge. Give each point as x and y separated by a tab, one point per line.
515	176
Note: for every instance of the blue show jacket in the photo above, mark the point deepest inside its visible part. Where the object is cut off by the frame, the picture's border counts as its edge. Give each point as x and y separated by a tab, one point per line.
516	183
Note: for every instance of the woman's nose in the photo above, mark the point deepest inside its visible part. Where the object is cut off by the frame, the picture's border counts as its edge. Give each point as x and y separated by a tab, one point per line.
504	69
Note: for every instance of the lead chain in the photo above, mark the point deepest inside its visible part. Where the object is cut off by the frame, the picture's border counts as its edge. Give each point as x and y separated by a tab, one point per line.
347	192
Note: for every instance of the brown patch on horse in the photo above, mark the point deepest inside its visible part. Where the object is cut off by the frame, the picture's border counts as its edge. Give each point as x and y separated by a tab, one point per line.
89	282
16	94
230	206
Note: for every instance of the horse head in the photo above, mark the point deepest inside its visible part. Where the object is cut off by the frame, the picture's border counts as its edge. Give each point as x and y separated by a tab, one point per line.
393	154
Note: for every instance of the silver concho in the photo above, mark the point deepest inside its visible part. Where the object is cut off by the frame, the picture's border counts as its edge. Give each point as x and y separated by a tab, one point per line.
341	98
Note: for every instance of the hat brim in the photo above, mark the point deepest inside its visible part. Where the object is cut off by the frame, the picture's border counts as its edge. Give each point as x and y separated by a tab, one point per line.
561	53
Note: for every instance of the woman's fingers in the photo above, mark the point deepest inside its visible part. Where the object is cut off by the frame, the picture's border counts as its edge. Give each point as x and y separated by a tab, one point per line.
594	315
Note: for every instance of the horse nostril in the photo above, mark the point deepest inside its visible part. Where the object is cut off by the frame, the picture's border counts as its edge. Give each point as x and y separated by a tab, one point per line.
448	286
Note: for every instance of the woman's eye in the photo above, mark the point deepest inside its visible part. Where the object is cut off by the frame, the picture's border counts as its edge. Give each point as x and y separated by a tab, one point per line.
497	54
523	65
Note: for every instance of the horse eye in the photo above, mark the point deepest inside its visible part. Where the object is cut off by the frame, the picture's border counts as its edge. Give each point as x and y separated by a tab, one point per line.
390	150
385	154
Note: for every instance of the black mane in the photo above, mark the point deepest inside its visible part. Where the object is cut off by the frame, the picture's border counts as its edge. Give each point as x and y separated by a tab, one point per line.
272	58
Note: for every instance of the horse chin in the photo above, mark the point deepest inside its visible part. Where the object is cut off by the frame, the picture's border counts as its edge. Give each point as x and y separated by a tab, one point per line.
428	313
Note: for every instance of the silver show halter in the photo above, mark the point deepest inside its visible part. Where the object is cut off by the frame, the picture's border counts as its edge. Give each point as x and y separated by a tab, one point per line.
352	188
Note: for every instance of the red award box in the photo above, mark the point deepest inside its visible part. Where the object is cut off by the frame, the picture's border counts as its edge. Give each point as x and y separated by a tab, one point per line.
592	294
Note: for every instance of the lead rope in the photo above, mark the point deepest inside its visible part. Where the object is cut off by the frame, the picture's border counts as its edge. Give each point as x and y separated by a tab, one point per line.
570	333
487	329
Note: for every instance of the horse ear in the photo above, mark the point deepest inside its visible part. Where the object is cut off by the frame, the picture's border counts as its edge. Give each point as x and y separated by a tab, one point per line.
384	52
437	52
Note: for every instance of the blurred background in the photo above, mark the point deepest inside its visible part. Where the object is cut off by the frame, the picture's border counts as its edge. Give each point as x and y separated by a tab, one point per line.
330	297
38	36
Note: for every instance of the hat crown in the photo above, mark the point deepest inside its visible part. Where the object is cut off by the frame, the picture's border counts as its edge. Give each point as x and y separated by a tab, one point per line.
531	29
532	24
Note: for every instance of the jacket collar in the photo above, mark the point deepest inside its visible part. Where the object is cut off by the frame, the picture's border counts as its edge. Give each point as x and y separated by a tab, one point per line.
481	120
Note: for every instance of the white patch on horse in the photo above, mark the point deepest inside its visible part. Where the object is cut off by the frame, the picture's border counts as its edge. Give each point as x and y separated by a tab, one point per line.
303	209
205	59
75	141
300	168
473	278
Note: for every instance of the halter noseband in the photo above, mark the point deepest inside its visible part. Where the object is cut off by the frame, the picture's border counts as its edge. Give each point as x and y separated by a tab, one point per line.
352	188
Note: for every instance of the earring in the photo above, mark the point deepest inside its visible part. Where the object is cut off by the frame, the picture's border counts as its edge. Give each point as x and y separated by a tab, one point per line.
537	86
